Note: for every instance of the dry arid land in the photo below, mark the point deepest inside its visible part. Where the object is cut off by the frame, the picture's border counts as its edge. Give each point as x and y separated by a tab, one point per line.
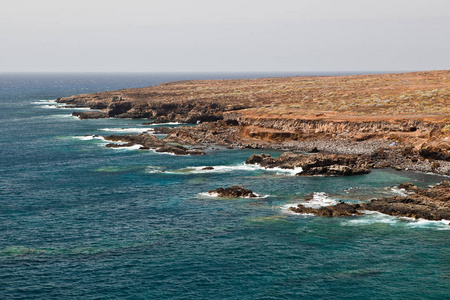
398	120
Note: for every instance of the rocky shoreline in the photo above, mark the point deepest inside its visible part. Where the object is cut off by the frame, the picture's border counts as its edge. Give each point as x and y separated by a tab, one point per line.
430	204
401	120
352	123
316	164
148	141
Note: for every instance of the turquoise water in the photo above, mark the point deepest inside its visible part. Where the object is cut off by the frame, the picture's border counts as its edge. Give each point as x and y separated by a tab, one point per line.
79	220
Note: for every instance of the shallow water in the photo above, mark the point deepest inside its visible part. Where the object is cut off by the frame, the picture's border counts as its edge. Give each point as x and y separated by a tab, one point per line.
81	220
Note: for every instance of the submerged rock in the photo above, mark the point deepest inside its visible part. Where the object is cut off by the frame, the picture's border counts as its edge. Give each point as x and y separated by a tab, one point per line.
233	192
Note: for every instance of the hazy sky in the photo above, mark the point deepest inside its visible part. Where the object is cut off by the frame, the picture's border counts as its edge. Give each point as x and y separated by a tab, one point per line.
226	35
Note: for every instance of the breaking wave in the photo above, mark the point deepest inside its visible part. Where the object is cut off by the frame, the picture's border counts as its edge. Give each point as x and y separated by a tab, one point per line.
133	130
233	168
319	199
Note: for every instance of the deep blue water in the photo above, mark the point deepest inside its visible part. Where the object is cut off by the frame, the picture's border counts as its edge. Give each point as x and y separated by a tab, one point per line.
79	220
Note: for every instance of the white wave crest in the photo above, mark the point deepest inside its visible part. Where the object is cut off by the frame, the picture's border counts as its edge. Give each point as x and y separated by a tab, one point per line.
166	153
216	195
54	105
371	217
43	102
134	130
50	106
422	223
74	108
240	167
217	169
319	199
153	169
292	172
63	116
398	191
374	217
209	195
168	123
133	147
89	137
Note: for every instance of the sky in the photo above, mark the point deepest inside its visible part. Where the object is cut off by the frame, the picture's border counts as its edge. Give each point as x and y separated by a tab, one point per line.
224	36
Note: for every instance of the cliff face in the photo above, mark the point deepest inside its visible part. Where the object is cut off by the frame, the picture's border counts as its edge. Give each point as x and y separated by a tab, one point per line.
399	128
186	112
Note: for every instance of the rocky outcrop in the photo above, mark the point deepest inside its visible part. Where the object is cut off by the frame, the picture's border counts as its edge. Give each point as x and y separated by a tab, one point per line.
150	141
233	192
90	114
441	152
341	209
316	164
430	204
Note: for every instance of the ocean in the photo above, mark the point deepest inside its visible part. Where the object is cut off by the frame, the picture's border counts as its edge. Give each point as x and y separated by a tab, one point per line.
82	221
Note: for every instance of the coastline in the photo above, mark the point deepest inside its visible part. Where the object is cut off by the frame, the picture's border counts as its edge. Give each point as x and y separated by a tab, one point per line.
405	125
341	142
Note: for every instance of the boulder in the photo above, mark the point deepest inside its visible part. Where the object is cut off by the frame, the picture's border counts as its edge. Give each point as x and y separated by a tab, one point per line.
234	192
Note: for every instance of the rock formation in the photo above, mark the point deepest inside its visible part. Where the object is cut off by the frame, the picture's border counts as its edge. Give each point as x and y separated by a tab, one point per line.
341	209
233	192
430	203
150	141
316	164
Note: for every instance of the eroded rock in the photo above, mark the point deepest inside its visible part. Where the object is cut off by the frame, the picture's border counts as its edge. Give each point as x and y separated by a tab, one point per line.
234	192
150	141
318	164
431	204
341	209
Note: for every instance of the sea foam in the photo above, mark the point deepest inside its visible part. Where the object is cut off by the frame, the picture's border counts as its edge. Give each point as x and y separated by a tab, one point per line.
233	168
89	137
133	147
43	102
319	199
168	123
374	217
134	130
